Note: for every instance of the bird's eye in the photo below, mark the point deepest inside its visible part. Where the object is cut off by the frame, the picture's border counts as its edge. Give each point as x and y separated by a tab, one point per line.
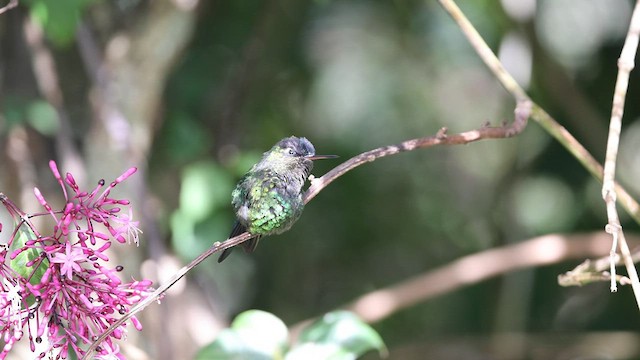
291	152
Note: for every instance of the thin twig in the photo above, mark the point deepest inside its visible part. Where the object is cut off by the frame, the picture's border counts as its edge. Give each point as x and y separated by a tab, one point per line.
625	66
585	278
522	113
159	293
483	50
538	114
595	270
590	271
555	129
10	5
525	106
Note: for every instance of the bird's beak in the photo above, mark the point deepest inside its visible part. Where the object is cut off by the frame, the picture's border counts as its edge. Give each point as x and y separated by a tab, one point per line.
321	157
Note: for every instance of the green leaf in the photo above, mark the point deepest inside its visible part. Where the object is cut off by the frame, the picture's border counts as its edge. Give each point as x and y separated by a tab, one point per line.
203	215
42	116
261	331
19	264
311	351
59	18
205	187
228	346
254	335
345	330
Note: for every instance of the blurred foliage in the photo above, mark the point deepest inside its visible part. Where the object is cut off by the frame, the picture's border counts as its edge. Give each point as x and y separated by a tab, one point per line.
349	75
259	335
59	19
38	114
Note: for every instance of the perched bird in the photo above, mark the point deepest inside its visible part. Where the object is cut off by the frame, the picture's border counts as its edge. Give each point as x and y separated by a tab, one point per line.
268	199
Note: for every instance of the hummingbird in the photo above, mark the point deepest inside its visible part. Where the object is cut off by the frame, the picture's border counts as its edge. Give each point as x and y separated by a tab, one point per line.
268	198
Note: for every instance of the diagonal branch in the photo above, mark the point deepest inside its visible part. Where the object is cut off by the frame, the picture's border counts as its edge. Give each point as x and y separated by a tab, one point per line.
525	109
544	250
477	267
522	113
538	114
610	189
10	5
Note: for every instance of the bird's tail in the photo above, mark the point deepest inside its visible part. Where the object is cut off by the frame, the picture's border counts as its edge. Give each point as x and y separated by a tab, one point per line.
249	245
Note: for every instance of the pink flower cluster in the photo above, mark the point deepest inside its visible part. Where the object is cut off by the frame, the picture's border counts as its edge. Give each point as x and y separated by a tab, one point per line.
55	285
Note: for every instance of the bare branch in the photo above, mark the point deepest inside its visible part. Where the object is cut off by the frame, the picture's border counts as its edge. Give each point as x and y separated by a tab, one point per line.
522	113
10	5
159	293
595	271
625	65
438	278
538	114
471	269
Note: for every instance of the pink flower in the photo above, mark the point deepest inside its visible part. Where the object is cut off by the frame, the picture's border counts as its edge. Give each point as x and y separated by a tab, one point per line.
59	278
128	230
69	260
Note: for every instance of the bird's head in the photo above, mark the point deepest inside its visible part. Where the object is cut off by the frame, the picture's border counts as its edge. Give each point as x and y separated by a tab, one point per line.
293	153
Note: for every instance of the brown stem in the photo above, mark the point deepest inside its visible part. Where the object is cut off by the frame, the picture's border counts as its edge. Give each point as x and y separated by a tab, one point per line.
471	269
625	65
538	114
10	5
522	112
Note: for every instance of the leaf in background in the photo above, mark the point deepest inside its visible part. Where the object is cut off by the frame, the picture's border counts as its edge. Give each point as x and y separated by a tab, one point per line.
59	18
228	346
42	116
346	330
254	335
311	351
206	186
204	214
262	331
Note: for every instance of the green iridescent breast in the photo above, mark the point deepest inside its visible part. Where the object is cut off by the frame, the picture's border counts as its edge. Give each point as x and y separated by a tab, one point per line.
267	205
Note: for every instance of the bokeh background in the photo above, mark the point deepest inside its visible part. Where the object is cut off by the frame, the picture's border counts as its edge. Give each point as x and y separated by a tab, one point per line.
192	92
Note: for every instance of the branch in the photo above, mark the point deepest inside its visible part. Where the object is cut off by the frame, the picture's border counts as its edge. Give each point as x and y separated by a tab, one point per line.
538	114
522	113
590	271
159	293
595	270
625	65
471	269
10	5
525	109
